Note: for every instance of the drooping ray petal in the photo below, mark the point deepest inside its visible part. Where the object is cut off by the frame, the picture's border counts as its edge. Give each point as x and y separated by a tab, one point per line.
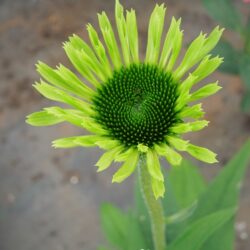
109	39
189	126
132	34
158	187
171	155
206	67
89	60
177	42
128	167
177	143
43	118
122	32
72	116
87	140
142	148
169	41
191	57
107	143
75	57
155	29
202	154
58	95
153	165
75	141
91	125
194	111
65	79
99	50
207	90
106	159
212	40
197	50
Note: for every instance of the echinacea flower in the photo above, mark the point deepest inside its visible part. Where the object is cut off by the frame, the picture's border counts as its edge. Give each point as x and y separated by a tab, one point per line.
132	106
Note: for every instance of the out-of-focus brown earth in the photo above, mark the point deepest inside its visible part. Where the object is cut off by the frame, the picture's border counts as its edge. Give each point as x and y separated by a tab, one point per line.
49	199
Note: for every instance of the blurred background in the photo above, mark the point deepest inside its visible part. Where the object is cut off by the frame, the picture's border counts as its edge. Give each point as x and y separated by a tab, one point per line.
49	199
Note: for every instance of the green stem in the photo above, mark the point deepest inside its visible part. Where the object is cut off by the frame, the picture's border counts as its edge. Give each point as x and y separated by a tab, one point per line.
154	206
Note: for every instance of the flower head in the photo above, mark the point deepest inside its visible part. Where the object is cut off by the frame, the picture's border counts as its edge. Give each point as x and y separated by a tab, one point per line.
131	106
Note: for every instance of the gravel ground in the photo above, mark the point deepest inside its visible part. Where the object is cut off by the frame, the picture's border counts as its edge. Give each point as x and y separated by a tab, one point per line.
49	198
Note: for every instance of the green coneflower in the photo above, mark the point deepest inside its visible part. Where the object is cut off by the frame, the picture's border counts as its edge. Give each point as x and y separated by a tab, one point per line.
133	106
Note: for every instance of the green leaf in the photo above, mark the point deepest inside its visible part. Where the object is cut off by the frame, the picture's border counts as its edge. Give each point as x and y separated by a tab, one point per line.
184	185
198	232
231	57
222	193
245	70
187	183
122	230
225	12
245	102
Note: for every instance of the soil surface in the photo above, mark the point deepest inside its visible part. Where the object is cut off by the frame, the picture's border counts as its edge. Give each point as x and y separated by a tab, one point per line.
49	199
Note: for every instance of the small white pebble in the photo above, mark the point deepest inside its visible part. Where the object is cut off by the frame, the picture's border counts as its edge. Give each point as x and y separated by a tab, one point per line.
241	226
243	236
74	179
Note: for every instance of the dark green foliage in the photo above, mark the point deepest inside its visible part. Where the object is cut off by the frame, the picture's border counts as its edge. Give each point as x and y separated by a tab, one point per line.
137	105
231	57
225	12
236	61
198	216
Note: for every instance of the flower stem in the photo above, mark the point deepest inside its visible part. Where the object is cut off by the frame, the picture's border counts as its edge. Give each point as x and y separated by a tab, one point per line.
154	206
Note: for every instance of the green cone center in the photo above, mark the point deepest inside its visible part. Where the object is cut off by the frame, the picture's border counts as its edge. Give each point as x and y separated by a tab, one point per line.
137	105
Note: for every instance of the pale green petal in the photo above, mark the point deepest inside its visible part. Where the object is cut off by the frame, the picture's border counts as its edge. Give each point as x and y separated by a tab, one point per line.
198	125
212	40
191	57
77	86
132	34
43	118
68	142
177	42
99	50
153	165
70	115
171	155
187	84
65	79
202	154
189	126
91	125
88	60
87	140
58	95
122	32
169	41
155	29
127	168
142	148
109	39
76	58
178	143
106	159
181	128
194	111
207	90
206	67
200	47
124	155
158	188
88	57
107	143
